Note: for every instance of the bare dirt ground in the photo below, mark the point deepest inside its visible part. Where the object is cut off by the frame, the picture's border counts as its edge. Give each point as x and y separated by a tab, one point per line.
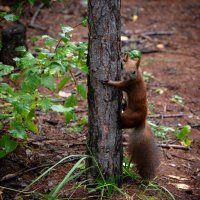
172	59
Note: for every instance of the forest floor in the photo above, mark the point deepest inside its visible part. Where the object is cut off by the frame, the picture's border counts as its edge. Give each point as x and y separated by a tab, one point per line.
168	32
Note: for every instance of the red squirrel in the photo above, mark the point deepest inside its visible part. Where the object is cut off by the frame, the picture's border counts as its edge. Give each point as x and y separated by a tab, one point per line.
142	148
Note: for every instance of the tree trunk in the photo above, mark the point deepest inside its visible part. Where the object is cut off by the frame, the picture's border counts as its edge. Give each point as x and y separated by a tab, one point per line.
12	37
104	138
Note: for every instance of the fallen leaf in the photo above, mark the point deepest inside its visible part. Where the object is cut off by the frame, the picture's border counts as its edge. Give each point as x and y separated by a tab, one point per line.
29	152
182	186
124	38
160	46
64	94
178	178
172	165
134	18
5	8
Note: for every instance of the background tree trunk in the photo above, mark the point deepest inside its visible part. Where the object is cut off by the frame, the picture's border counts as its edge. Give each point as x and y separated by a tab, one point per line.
12	37
104	138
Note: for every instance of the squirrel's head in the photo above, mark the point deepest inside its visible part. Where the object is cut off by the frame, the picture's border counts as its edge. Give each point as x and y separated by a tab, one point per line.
131	68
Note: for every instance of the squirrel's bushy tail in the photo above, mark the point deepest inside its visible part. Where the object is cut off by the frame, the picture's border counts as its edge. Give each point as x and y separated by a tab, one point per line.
143	151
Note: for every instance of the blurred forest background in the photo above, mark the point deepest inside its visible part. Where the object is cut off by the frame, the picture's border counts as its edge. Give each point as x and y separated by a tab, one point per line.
43	91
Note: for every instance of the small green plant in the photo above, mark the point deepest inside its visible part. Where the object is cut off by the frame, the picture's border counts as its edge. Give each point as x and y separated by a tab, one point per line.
160	131
177	99
8	17
100	186
182	135
129	170
71	175
78	125
148	76
135	54
154	187
105	188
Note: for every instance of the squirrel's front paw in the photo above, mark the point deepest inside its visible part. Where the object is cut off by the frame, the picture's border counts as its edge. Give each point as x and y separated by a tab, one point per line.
105	82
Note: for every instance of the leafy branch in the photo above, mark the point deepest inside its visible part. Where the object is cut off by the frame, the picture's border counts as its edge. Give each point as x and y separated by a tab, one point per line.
51	61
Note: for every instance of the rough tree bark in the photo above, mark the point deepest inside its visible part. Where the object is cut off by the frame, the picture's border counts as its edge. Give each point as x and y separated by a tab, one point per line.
104	137
12	37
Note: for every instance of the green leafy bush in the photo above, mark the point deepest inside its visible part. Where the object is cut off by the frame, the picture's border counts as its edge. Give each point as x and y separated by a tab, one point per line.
160	131
17	9
55	59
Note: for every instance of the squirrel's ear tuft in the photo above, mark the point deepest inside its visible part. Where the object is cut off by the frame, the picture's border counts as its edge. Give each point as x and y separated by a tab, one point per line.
125	57
138	63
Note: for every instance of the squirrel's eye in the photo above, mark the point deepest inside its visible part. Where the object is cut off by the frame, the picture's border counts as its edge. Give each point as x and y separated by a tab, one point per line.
133	72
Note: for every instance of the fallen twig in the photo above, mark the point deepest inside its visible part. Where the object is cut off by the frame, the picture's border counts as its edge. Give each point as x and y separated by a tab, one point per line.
195	125
21	172
32	23
152	33
181	53
175	146
182	158
167	154
53	141
149	50
14	190
129	40
166	115
24	171
167	142
51	122
147	37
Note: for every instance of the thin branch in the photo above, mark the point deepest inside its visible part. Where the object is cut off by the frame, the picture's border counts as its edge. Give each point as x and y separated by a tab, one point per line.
166	115
22	172
59	41
52	140
32	23
153	33
77	25
175	146
14	190
195	125
167	141
58	44
74	79
180	53
146	50
182	158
